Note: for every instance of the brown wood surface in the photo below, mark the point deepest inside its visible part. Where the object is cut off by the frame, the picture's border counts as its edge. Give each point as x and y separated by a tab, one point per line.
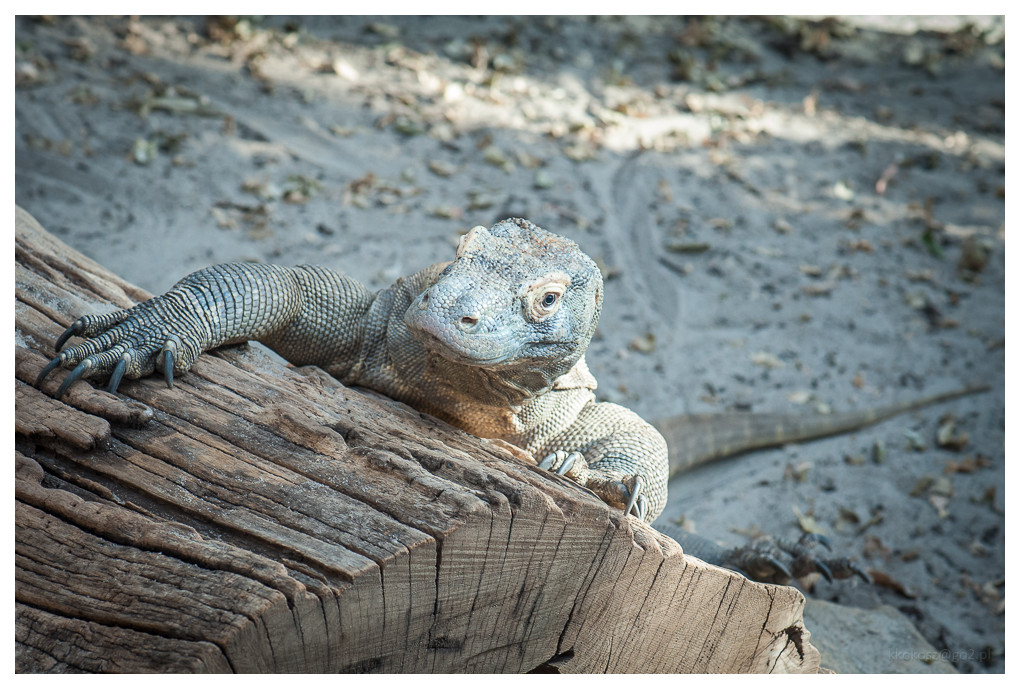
258	517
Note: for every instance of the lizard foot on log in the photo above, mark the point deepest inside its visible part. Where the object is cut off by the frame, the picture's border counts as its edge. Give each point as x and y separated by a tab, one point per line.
626	492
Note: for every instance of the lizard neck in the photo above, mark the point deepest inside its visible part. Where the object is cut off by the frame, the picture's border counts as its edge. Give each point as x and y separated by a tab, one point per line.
484	402
500	387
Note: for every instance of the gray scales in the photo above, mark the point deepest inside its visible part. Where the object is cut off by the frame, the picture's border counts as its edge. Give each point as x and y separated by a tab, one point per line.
492	342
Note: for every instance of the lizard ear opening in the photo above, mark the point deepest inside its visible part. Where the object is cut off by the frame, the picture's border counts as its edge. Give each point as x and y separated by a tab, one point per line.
466	240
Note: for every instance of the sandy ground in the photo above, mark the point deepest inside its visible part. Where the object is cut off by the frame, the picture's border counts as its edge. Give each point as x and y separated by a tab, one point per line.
791	215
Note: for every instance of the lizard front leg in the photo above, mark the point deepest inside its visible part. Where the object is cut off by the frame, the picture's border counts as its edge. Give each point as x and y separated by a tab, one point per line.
614	453
307	314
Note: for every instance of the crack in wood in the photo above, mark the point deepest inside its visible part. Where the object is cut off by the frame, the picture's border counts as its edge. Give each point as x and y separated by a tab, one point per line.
272	519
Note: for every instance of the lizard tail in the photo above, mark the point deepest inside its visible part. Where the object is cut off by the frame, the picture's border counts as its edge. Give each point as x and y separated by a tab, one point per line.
696	439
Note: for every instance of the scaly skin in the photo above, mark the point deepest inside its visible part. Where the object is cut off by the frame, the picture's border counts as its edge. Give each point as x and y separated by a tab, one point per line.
492	342
697	439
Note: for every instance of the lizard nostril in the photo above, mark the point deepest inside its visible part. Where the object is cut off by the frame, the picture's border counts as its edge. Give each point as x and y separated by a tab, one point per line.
424	302
467	324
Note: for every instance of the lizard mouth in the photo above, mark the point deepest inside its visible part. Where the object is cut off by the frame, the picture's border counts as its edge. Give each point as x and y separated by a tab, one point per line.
464	353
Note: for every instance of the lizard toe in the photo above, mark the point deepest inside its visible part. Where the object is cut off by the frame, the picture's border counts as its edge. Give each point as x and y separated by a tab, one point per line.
636	487
569	464
641	508
168	367
805	562
844	568
79	371
48	369
74	329
761	559
551	460
808	540
626	493
776	561
117	375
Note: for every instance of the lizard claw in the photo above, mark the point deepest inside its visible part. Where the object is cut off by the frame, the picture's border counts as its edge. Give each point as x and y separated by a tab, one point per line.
548	462
562	462
130	343
844	568
865	577
50	367
117	375
636	492
73	330
641	508
627	493
758	559
816	538
168	367
80	370
774	562
822	569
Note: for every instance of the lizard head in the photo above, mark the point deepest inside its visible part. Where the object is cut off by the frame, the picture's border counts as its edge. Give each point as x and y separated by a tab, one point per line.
515	297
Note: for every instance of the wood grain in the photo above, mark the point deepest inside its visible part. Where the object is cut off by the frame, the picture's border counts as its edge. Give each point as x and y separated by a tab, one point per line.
262	518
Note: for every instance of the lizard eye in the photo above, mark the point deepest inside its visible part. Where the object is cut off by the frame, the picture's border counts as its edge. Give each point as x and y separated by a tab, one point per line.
543	297
546	302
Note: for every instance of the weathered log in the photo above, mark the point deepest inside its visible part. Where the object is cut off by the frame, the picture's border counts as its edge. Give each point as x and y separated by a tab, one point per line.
258	517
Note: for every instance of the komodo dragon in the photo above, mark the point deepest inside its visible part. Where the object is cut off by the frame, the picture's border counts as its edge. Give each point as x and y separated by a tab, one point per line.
493	342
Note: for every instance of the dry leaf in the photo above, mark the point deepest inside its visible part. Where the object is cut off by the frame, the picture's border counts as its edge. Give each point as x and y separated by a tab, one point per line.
797	473
974	253
874	547
494	156
767	360
914	440
946	435
883	579
842	191
940	503
800	396
447	212
922	485
644	343
438	167
807	522
877	517
968	465
847	518
543	180
819	289
942	486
